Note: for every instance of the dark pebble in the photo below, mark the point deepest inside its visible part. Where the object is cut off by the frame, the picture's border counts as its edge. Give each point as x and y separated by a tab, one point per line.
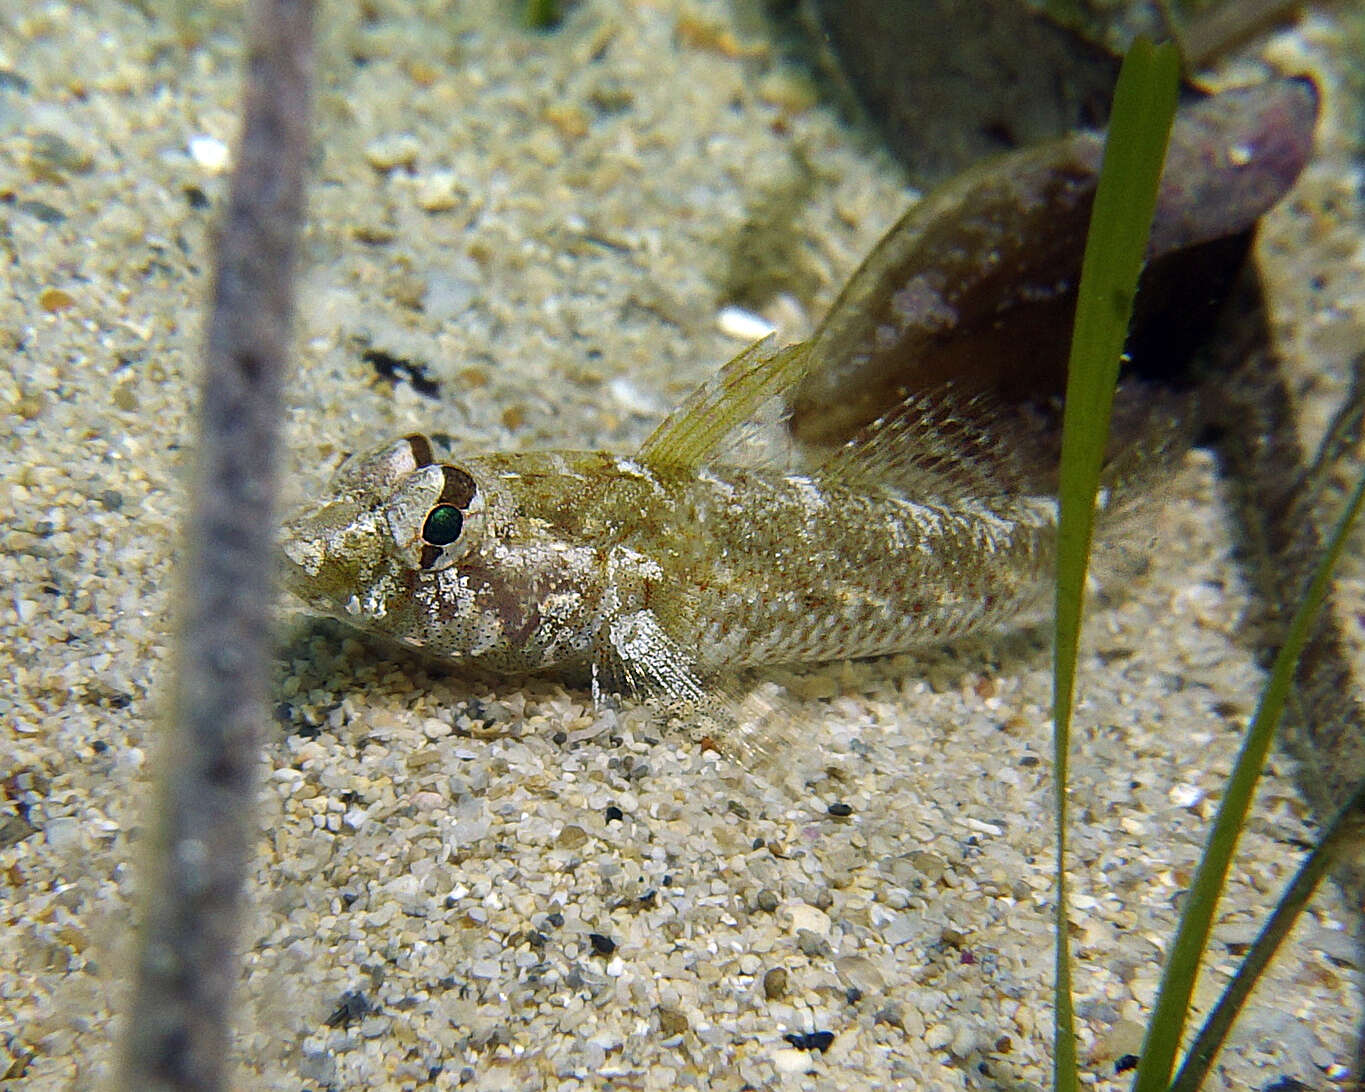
775	983
14	829
840	810
55	153
41	210
614	814
112	500
602	945
767	900
352	1006
396	369
555	919
811	1040
12	81
672	1022
1127	1062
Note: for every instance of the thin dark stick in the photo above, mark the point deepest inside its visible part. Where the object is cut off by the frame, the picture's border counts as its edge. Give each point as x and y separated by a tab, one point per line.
178	1030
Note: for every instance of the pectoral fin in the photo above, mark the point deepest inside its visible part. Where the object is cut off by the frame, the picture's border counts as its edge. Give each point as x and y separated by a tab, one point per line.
756	725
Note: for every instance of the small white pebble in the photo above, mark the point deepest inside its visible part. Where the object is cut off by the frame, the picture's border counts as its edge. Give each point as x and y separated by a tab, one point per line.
634	399
791	1060
1185	796
438	191
1144	990
373	1027
210	153
964	1041
743	325
393	150
62	834
435	729
801	915
903	927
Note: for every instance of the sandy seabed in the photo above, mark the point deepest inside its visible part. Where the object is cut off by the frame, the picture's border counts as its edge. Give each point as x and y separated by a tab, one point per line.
469	882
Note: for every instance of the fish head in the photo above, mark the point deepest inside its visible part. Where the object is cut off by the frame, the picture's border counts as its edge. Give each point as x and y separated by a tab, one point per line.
439	557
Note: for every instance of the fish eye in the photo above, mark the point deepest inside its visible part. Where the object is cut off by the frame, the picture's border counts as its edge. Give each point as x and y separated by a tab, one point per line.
434	514
443	525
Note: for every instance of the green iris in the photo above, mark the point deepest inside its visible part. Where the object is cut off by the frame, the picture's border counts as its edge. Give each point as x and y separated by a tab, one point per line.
443	525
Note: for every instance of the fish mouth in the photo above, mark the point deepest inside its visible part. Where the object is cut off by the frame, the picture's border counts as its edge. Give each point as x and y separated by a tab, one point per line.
306	565
299	580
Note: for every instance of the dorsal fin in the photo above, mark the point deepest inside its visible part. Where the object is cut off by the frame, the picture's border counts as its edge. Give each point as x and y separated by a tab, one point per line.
694	432
947	445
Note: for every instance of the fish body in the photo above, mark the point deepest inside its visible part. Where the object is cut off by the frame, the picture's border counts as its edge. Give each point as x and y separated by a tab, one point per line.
646	573
922	422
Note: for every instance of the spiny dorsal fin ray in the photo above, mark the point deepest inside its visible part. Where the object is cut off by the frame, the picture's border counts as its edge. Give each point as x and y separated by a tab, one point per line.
945	444
691	435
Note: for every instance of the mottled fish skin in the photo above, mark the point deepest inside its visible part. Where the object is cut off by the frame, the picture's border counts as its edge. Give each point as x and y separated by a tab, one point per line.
657	577
918	505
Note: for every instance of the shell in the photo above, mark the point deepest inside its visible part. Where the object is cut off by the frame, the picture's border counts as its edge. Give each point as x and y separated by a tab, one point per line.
976	285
